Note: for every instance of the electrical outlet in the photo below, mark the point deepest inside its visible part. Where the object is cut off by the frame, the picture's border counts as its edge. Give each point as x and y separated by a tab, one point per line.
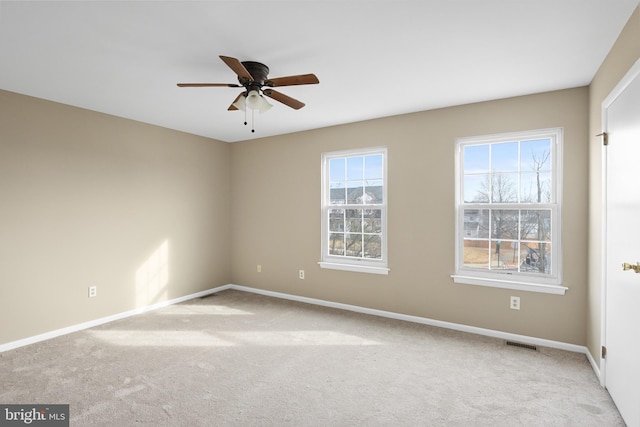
93	291
301	274
515	303
259	268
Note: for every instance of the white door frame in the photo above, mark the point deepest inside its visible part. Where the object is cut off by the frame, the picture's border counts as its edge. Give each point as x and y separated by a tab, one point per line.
633	72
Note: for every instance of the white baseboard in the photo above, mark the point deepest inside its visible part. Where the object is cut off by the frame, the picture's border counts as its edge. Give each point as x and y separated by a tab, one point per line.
85	325
595	367
423	320
381	313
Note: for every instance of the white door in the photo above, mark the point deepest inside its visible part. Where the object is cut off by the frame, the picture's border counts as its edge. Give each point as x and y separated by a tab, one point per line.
622	288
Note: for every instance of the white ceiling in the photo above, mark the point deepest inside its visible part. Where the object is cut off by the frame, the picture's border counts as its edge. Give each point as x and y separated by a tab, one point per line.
373	58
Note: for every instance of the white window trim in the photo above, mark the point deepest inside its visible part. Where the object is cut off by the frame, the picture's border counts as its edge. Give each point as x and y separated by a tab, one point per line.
354	267
507	280
344	263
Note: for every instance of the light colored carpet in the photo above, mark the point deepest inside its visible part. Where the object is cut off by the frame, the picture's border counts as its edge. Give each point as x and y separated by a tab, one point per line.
237	358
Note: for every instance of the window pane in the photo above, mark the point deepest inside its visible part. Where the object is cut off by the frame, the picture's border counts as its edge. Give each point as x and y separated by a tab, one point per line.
476	159
337	193
373	192
536	258
355	193
536	225
502	255
504	188
336	244
373	167
535	187
476	223
504	157
372	247
535	155
476	189
504	224
355	168
336	169
372	221
354	220
476	253
336	220
354	245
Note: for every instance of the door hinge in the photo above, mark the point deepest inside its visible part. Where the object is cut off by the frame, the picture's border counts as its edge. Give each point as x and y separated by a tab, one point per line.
604	352
605	138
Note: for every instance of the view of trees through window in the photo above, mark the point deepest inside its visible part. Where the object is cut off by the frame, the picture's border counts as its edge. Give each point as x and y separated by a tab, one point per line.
508	206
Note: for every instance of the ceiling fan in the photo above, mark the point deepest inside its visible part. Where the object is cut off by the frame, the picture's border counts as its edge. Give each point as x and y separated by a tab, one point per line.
253	77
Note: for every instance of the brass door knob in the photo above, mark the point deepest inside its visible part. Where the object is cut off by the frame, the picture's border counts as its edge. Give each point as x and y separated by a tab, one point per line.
626	266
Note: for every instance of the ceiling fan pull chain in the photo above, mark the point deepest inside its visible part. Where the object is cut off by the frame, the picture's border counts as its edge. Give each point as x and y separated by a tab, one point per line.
253	115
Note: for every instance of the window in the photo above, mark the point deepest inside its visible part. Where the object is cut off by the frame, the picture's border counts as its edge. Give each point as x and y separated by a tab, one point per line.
354	210
508	207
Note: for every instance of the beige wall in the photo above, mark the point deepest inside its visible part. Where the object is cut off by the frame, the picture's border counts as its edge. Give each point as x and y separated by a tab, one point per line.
91	199
276	216
622	56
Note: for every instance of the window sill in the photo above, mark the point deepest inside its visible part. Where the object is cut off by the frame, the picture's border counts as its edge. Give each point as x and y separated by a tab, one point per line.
507	284
353	267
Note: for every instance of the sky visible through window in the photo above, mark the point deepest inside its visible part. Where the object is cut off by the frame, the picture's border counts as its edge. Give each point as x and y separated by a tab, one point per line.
355	171
513	171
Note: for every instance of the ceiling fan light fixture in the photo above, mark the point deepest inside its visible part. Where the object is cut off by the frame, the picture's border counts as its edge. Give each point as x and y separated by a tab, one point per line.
255	101
240	104
264	105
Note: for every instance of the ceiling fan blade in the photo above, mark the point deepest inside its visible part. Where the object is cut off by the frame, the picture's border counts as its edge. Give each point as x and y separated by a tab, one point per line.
233	107
286	100
237	67
302	79
208	85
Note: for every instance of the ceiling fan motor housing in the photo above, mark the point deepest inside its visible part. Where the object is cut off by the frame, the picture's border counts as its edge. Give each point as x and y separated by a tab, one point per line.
259	73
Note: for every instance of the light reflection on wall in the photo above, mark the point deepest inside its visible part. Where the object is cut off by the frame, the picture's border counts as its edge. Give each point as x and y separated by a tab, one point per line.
152	277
